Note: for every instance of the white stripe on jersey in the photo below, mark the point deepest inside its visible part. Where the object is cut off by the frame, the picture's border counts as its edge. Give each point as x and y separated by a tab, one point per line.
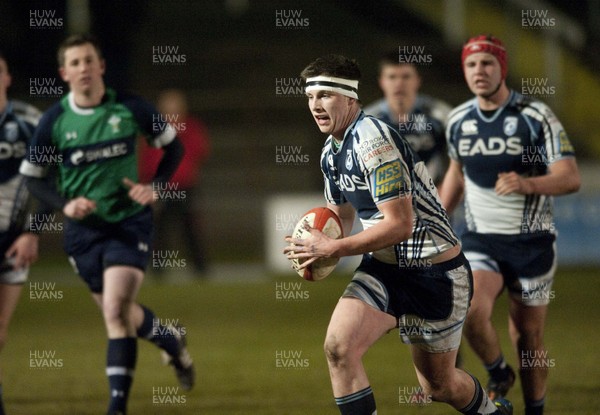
14	197
456	115
164	138
29	169
551	128
26	112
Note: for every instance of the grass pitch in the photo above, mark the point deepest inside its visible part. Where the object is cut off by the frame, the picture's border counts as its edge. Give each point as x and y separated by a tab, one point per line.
258	350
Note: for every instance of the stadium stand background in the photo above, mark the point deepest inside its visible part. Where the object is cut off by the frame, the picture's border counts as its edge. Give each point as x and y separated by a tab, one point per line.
235	53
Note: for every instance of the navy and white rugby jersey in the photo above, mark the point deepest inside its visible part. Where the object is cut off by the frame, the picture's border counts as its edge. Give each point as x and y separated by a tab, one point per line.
423	127
523	136
17	124
373	164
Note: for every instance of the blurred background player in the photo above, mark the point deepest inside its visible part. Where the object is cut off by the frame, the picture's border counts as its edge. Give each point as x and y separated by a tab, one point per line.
175	216
412	262
508	200
419	118
18	245
109	221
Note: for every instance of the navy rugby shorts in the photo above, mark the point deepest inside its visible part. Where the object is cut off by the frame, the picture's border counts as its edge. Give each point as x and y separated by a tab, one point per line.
527	262
430	303
93	249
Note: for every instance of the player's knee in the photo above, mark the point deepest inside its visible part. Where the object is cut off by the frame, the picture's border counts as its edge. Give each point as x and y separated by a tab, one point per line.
336	351
477	316
115	312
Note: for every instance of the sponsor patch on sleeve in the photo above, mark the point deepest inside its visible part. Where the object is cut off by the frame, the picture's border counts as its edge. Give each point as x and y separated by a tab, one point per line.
565	146
387	179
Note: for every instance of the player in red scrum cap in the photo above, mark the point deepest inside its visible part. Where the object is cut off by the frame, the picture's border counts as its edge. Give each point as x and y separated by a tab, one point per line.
509	156
487	44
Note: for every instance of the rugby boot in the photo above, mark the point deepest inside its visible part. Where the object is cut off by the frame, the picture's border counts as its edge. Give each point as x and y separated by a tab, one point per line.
182	363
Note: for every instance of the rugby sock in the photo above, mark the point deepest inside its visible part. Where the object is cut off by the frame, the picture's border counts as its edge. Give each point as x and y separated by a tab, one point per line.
480	404
156	333
534	407
498	370
357	403
120	365
1	406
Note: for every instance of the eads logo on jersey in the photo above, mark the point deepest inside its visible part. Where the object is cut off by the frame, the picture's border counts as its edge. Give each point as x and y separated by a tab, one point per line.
16	150
493	146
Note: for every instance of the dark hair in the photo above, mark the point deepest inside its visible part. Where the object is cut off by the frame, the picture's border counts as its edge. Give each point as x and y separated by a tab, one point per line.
332	65
392	58
77	40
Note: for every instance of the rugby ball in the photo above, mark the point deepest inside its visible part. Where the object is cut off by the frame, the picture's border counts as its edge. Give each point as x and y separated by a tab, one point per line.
325	220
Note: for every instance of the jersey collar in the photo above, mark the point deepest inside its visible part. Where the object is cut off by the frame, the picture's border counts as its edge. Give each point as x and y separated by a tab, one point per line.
509	101
108	96
353	124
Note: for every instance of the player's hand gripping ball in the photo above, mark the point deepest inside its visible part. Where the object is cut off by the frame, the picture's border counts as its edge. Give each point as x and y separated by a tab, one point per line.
329	223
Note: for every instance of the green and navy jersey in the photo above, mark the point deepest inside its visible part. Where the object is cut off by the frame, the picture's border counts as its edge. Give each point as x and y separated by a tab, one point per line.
523	136
373	164
17	124
94	149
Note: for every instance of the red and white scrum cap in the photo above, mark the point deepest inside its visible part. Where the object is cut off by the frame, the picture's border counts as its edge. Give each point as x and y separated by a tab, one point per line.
342	86
487	44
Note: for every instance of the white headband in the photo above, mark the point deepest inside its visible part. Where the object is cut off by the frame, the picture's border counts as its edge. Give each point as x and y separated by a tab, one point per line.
342	86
